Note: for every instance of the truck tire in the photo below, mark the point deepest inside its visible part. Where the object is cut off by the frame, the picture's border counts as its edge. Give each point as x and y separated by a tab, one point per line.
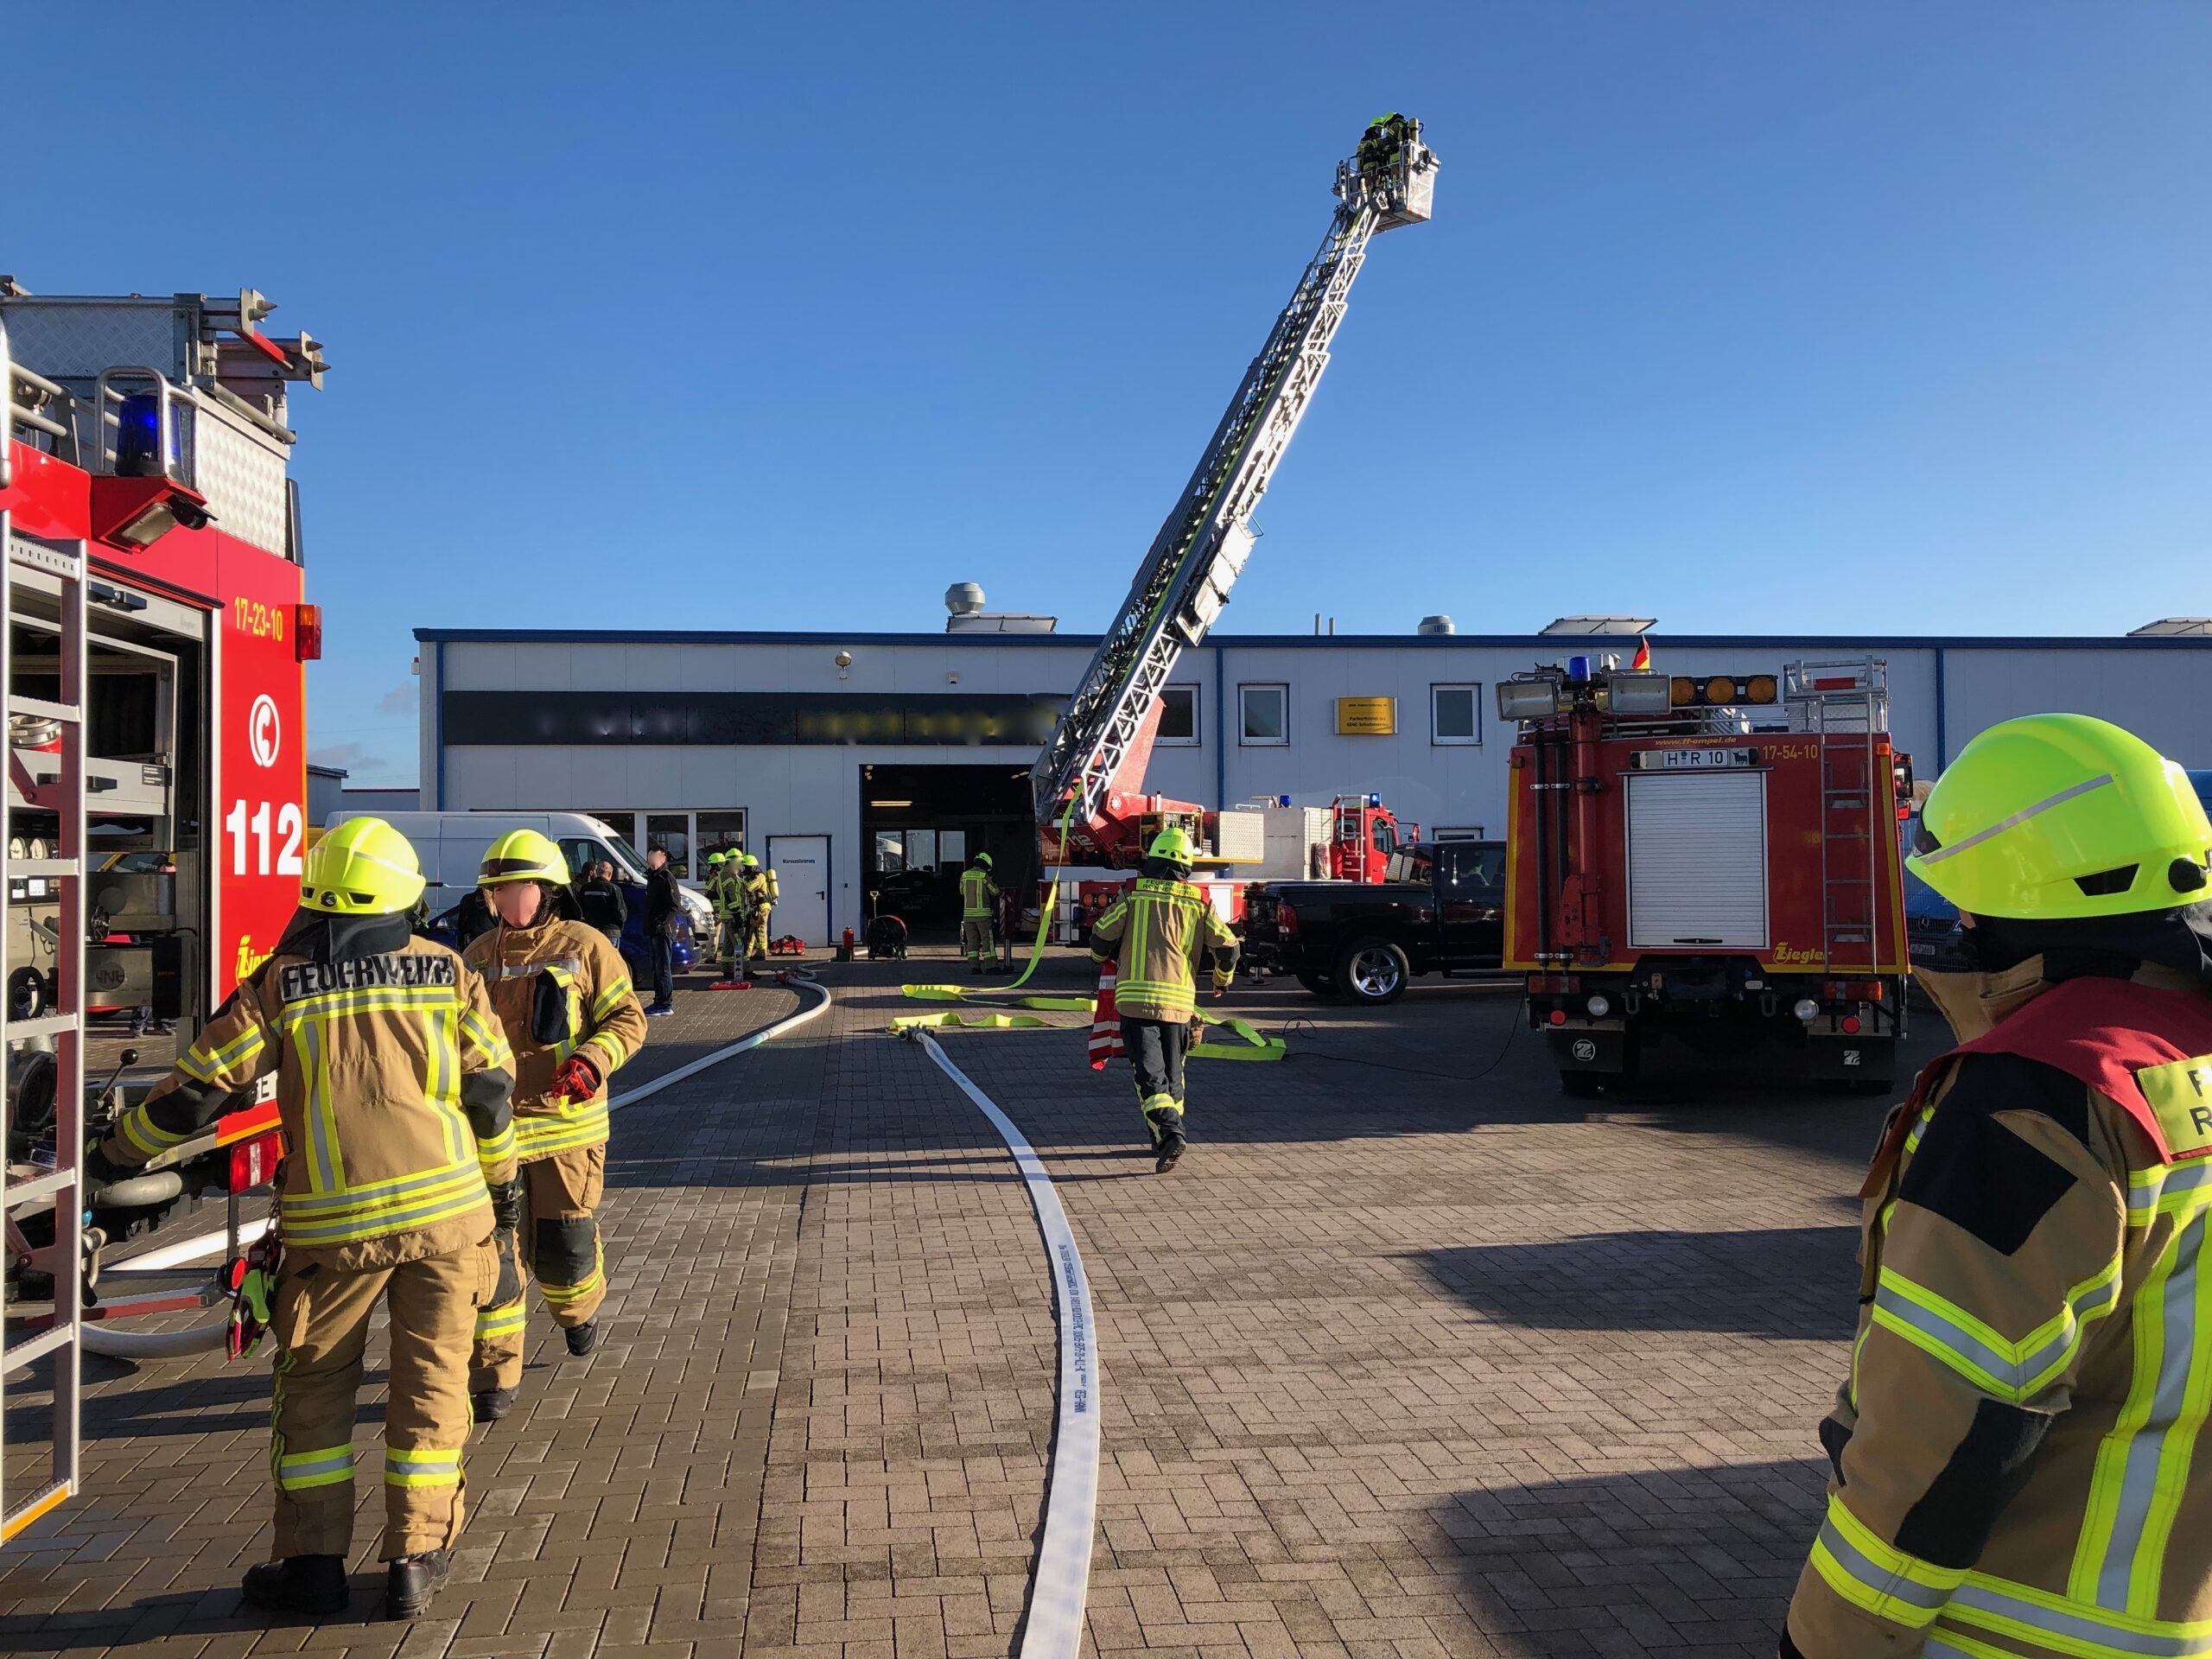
1373	972
1320	985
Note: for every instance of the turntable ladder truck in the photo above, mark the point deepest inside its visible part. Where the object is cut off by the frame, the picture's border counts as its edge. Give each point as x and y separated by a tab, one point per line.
1091	773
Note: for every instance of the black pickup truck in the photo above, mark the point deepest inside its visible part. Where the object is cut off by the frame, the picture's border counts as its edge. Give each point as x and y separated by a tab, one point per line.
1443	911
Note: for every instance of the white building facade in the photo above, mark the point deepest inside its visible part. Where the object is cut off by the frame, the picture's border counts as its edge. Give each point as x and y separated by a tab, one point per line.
847	760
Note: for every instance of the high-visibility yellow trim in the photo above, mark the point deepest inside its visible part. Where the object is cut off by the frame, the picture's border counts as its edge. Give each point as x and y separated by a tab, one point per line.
489	1040
142	1132
329	1465
538	1135
342	1218
612	998
562	1295
2040	1618
610	1045
501	1321
206	1066
422	1466
1993	1363
1874	1575
490	1154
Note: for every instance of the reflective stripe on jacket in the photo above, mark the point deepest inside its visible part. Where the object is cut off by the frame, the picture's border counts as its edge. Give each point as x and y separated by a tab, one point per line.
976	891
559	989
2019	1450
1159	932
392	1080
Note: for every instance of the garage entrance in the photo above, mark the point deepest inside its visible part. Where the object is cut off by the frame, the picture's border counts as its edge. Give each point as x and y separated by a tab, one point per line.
920	825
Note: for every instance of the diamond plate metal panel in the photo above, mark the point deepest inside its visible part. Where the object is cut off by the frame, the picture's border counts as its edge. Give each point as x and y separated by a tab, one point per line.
61	340
242	475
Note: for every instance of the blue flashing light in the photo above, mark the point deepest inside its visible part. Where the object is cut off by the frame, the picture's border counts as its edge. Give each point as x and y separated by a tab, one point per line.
1282	800
1374	800
1578	668
138	447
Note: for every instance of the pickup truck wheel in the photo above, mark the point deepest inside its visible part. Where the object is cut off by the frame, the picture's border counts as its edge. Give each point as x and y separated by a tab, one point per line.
1373	971
1320	984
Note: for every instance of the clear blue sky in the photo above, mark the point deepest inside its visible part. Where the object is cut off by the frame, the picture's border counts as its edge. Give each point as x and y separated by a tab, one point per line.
1743	315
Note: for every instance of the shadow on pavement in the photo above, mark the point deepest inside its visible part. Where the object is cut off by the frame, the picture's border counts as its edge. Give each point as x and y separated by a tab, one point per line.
1786	1282
1700	1559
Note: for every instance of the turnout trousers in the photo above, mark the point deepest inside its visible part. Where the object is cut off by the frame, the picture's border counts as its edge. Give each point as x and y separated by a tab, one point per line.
558	1244
1156	1048
756	937
321	1322
975	937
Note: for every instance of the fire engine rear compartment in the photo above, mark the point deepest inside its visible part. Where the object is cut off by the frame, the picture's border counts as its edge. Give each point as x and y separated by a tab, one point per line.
1699	876
145	814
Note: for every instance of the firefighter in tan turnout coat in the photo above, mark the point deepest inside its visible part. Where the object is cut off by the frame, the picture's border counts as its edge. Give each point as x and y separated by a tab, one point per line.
563	995
2019	1450
393	1082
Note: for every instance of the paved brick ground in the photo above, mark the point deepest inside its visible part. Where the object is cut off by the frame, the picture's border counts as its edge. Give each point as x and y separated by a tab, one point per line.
1396	1365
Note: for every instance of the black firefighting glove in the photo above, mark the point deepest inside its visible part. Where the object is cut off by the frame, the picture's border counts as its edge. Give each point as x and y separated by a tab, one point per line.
506	1204
509	1288
97	1167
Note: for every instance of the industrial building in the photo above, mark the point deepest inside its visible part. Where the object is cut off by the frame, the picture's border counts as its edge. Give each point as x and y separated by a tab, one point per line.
860	763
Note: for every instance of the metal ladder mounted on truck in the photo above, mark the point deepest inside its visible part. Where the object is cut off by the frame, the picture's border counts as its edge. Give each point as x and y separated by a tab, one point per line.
1186	574
51	778
1844	700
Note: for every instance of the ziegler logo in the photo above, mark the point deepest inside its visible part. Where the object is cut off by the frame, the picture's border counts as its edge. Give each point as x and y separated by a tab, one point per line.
1585	1049
1790	953
249	958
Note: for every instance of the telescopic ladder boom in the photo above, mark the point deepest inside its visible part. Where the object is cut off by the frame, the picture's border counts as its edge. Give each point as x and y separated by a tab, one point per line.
1201	549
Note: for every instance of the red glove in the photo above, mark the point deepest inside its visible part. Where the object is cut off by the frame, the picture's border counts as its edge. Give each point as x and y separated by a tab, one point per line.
576	1079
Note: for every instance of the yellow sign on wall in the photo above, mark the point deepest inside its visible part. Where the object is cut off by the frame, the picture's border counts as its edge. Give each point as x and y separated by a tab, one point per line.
1367	716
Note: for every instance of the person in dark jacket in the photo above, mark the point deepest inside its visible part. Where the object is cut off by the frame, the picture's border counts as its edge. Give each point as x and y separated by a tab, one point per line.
601	902
662	906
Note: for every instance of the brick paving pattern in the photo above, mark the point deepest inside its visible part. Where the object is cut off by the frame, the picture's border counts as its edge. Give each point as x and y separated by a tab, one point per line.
1395	1364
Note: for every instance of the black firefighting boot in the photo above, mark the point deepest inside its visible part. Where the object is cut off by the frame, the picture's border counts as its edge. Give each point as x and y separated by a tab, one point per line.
1167	1139
582	1338
491	1404
410	1581
299	1584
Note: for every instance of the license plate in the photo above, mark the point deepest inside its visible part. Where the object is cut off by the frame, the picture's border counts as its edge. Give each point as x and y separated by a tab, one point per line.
1698	760
1922	952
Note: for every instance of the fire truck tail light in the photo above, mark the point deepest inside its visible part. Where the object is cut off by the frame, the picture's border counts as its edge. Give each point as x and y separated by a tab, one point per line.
1598	1008
1286	919
307	632
1807	1009
1558	1016
1851	1025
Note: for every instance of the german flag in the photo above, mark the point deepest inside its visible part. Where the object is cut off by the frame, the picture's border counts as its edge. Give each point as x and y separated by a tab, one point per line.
1643	657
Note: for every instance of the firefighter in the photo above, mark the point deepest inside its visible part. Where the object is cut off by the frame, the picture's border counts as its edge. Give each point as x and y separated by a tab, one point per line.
1161	932
392	1084
721	896
978	894
2018	1458
760	886
563	995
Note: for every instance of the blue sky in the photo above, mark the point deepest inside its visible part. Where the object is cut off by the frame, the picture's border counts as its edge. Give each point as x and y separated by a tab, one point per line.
1742	315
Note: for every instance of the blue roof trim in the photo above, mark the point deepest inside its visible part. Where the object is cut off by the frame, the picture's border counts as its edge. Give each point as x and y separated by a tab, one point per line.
1560	644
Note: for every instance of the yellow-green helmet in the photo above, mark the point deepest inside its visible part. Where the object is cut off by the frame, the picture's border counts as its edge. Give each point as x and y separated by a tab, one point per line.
2055	816
1173	844
749	861
363	868
715	858
521	855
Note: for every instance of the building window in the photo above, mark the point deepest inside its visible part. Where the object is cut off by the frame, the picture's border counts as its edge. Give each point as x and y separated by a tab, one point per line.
1465	832
1178	717
719	832
1263	716
1455	714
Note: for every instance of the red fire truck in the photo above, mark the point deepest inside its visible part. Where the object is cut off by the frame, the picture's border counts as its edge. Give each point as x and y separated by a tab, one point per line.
1713	859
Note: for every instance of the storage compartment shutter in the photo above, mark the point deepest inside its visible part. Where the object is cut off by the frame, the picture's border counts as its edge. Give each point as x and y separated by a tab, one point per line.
1697	860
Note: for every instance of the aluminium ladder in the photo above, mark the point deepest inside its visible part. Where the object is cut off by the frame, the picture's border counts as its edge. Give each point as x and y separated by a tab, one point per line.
33	567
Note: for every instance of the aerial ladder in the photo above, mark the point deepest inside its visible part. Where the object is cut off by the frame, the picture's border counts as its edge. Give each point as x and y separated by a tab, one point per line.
1086	783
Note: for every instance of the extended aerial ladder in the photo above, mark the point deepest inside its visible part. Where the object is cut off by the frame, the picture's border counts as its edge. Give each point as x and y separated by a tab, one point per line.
1098	751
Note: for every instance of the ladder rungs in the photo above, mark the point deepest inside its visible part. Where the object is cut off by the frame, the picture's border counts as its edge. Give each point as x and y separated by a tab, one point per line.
32	556
17	1192
38	1348
39	707
47	1024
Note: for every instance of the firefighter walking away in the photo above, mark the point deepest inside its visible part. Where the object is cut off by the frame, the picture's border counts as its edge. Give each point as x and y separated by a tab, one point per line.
2019	1456
979	896
393	1083
1159	933
563	996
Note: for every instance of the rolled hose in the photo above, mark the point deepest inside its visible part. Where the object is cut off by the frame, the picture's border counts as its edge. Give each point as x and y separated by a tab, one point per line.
101	1339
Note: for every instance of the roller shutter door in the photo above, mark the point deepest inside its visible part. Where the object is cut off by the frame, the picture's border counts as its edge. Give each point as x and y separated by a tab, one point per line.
1697	860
